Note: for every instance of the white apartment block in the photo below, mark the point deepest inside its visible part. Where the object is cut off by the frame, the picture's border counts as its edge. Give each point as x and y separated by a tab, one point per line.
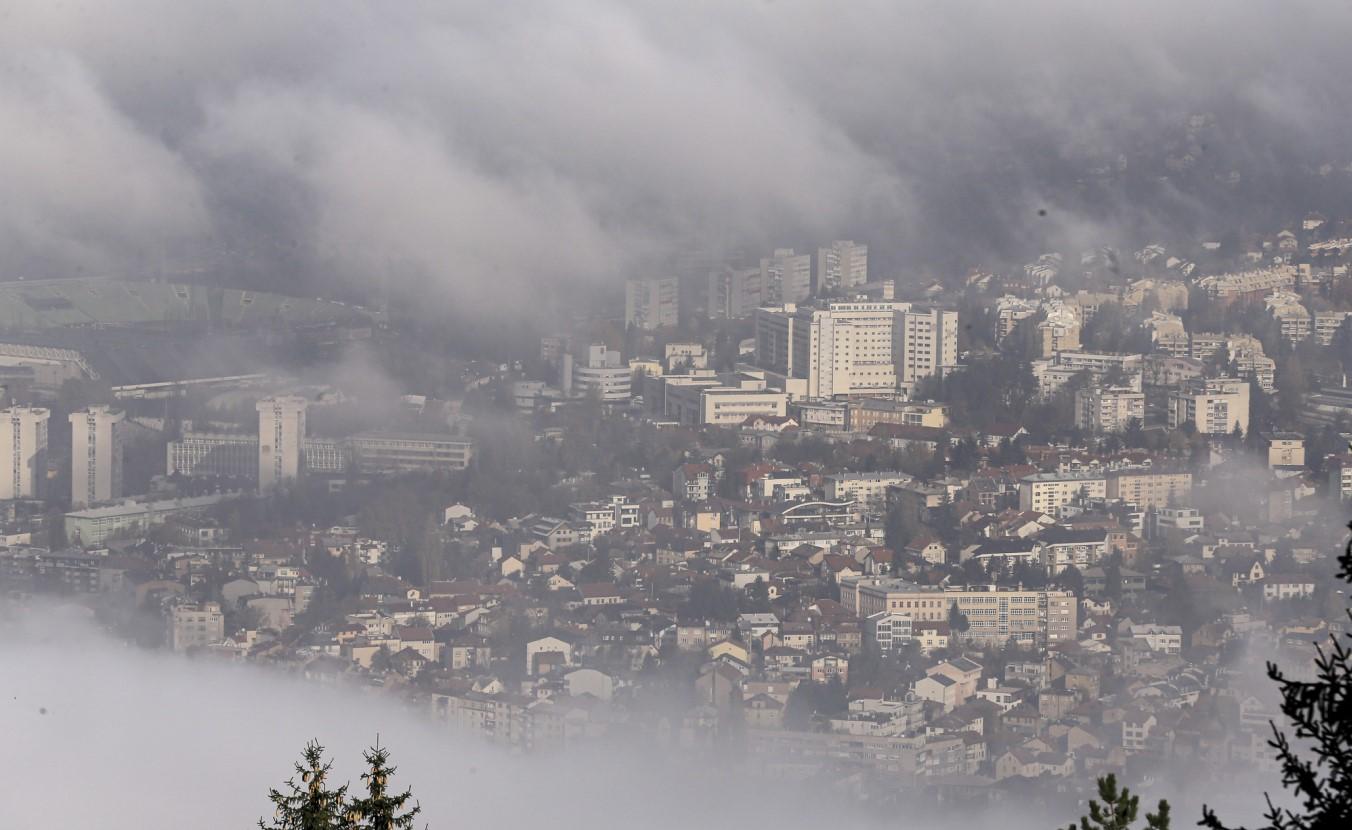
929	343
23	452
1101	363
1179	520
842	265
651	303
1108	409
1055	372
1215	406
281	434
887	630
606	515
855	347
848	348
786	277
1047	492
867	490
729	406
1165	638
95	456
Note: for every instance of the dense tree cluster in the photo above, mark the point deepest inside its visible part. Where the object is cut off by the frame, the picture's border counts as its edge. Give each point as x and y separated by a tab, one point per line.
307	800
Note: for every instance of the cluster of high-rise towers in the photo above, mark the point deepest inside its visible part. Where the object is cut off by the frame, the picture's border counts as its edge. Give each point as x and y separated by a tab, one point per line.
97	437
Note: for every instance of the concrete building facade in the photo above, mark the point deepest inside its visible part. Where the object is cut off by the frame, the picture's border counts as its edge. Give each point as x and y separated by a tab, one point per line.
1108	409
1047	492
995	614
23	452
842	265
281	434
1215	406
651	303
786	277
95	455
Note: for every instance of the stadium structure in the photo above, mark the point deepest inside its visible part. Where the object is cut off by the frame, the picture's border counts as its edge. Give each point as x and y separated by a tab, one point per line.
157	339
47	304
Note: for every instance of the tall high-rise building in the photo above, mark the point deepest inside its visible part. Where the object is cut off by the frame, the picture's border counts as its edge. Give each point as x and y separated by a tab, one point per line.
23	452
1216	406
843	348
651	303
95	456
786	277
281	436
734	293
1108	409
929	341
855	347
843	265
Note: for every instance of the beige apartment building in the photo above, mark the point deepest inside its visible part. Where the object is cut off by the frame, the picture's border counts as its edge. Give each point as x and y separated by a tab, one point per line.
866	413
1146	488
1046	492
996	615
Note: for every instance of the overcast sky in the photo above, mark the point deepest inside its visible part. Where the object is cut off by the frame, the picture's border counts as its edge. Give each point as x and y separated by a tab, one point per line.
487	148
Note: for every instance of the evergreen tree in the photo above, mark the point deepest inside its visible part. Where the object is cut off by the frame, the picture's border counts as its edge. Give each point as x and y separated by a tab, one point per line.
957	621
381	810
1070	579
1112	576
308	804
1118	810
1322	714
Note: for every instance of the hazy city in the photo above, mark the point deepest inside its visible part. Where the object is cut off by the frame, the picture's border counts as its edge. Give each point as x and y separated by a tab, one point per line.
602	415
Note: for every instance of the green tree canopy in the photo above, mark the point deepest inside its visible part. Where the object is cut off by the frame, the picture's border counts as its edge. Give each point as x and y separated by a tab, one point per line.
1118	810
308	803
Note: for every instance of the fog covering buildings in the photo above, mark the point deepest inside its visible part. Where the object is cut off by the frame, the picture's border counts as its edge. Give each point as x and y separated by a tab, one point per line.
924	408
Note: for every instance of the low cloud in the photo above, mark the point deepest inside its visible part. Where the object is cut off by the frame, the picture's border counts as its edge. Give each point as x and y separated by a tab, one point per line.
479	153
101	734
83	183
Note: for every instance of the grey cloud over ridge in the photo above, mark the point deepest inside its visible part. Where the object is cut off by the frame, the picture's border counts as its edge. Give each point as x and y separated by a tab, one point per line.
492	148
79	176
